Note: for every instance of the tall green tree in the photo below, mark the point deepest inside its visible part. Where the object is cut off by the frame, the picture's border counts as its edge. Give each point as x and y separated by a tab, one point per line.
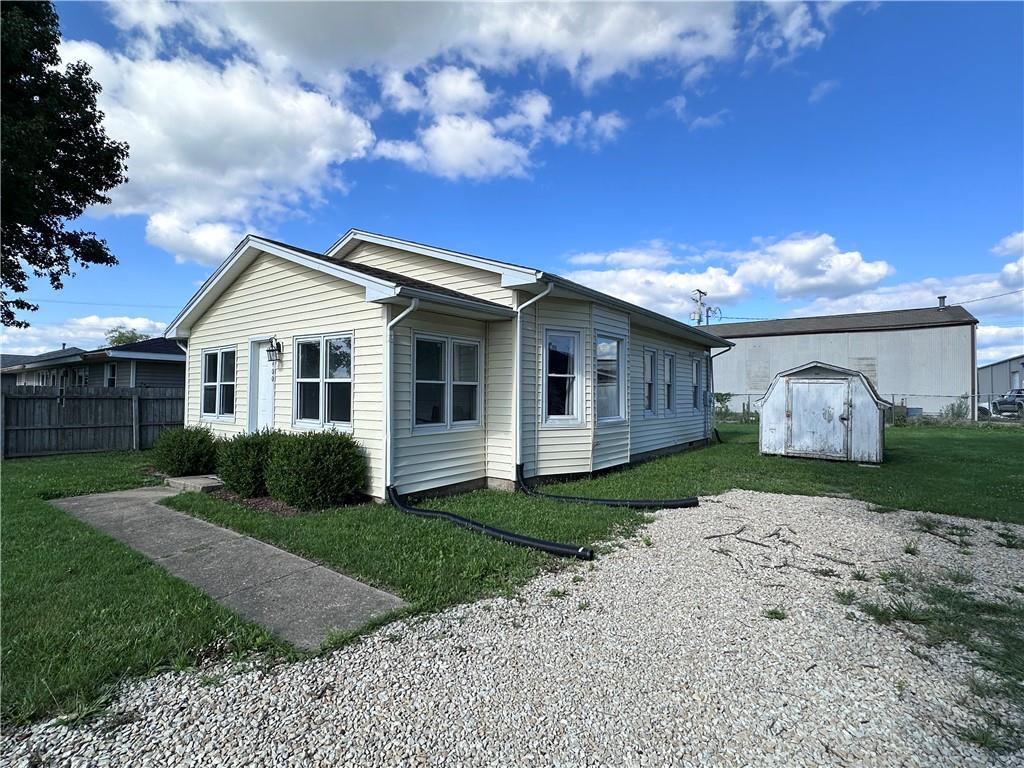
122	334
56	157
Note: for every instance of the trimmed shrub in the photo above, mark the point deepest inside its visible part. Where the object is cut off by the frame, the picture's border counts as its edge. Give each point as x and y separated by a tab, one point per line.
185	451
315	470
242	462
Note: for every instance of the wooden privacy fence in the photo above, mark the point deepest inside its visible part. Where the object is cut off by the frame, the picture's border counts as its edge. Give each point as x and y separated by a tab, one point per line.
45	420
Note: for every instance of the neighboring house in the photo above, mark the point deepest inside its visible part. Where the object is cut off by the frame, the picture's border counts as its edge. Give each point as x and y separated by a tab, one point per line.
920	358
7	361
151	363
998	378
413	350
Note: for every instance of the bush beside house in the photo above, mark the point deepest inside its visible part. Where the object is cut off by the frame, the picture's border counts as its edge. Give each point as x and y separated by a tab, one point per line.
242	463
315	470
185	451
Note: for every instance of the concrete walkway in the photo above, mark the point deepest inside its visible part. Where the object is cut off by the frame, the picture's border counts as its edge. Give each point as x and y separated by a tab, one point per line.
290	596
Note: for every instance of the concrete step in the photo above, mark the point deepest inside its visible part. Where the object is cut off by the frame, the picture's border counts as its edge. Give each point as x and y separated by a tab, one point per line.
199	483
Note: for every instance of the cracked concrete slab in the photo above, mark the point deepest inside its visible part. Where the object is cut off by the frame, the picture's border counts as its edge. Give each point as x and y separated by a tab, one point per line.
292	597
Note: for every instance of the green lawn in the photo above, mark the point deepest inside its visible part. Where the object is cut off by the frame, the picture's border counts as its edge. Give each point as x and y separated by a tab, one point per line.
431	563
80	610
973	472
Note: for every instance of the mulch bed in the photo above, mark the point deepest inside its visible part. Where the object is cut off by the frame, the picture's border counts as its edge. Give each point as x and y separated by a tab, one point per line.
260	503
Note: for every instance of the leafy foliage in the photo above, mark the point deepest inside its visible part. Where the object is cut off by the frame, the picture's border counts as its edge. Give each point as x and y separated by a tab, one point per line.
315	470
122	334
242	462
185	451
56	158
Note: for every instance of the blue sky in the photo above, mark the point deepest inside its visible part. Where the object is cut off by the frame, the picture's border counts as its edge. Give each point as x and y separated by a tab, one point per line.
789	159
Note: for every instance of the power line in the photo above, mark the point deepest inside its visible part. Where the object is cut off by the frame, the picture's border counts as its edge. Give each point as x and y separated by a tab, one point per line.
986	298
106	304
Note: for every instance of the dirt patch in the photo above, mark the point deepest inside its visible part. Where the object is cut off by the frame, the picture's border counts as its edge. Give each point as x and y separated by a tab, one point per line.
260	503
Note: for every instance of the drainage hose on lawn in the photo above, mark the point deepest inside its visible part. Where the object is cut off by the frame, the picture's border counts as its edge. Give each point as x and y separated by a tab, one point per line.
551	547
690	501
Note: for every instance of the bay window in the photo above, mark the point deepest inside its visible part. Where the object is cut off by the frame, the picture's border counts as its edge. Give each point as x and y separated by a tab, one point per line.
218	383
323	380
561	361
431	381
465	381
608	366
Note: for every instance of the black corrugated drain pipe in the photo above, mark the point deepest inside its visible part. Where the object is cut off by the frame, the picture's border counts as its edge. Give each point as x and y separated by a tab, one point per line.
551	547
690	501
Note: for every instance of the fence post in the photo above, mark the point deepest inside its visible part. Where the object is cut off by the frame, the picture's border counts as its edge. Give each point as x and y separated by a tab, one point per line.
135	421
3	425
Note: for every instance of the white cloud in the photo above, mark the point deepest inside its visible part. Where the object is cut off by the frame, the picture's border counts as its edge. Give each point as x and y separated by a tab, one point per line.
456	91
214	148
821	90
798	265
709	121
530	110
1011	245
996	342
83	332
460	146
400	93
785	29
677	105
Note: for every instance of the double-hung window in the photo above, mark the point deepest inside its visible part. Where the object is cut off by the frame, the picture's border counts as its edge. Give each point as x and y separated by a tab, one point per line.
110	374
697	402
447	382
650	366
561	363
218	382
81	378
608	366
323	381
670	380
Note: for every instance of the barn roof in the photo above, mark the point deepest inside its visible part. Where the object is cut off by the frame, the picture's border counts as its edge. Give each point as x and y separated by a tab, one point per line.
829	367
898	319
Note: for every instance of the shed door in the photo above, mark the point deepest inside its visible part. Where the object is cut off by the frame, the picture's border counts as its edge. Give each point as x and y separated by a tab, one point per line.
816	417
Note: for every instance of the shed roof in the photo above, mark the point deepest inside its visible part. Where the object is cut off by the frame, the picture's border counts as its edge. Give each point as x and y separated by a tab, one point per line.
898	319
829	367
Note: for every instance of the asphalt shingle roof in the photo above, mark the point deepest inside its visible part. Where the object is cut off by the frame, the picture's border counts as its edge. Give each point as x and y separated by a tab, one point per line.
898	319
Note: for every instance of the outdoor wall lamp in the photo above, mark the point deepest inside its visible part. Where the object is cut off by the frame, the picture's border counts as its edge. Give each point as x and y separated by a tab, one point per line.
274	350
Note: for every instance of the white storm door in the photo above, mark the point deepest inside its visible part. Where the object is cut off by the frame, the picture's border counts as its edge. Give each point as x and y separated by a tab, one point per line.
262	380
816	410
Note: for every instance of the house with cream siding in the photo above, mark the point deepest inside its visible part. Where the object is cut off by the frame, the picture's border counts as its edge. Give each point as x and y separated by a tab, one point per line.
449	369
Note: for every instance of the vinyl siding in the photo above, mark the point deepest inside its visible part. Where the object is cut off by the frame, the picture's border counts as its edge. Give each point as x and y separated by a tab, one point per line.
276	297
611	438
456	277
558	449
664	429
431	458
498	353
149	373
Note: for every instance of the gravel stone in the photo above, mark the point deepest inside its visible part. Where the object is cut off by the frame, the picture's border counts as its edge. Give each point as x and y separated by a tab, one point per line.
660	655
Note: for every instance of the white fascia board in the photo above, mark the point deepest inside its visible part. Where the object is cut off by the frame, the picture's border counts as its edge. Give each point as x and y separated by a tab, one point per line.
485	308
242	256
146	356
511	275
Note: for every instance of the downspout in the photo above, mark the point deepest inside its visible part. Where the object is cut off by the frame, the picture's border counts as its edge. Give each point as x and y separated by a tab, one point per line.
387	388
517	436
711	375
184	399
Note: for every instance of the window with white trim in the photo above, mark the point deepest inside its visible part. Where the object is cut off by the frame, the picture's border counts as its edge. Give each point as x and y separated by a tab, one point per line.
323	380
110	374
697	400
446	385
218	383
650	366
81	377
670	379
561	372
608	368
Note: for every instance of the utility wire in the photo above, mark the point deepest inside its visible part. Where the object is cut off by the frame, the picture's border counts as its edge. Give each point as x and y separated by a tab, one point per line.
106	304
986	298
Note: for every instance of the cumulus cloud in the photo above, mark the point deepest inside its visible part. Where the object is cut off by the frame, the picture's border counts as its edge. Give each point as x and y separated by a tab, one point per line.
821	90
996	342
1011	245
83	332
654	253
214	148
454	90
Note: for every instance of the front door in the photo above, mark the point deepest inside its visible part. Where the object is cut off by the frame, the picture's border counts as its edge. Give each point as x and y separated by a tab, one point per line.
817	417
261	374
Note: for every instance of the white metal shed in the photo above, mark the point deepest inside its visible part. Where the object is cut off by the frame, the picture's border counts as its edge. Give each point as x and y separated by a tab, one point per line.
822	411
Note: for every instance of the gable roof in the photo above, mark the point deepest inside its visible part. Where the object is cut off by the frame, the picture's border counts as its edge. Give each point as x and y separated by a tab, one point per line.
894	320
9	360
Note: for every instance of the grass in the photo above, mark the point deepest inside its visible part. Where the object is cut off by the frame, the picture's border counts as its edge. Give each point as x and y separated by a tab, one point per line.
432	564
776	613
925	468
910	548
80	610
846	596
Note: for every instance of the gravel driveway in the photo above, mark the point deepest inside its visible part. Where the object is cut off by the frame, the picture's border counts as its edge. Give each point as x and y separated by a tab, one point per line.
657	653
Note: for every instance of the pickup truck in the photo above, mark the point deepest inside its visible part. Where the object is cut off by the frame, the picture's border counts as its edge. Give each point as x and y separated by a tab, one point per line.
1011	402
